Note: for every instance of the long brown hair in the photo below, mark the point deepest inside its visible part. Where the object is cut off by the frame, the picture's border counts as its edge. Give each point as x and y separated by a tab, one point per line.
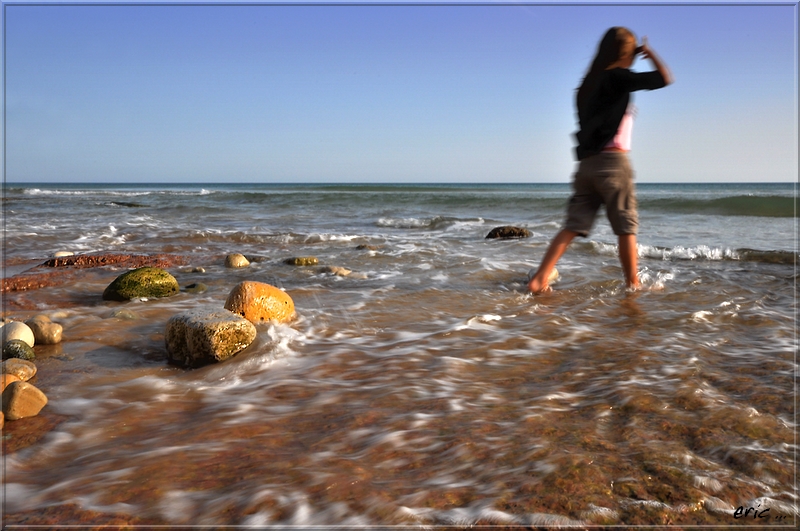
615	44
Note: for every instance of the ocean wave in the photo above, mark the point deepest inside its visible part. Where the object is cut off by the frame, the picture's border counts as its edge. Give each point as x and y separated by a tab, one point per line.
703	253
434	223
39	191
776	206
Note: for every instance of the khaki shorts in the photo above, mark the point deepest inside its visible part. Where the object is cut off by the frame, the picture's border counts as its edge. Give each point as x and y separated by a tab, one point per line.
603	179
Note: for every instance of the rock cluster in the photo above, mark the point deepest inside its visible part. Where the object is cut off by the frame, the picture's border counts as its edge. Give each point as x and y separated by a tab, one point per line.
202	336
20	398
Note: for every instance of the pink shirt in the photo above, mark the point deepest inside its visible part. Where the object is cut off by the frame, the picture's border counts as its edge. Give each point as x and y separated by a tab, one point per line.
622	140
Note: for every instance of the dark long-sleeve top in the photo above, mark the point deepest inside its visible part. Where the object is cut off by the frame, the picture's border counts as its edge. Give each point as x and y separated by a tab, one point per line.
600	116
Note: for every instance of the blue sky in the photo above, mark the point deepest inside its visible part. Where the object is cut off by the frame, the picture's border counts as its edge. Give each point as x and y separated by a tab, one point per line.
380	93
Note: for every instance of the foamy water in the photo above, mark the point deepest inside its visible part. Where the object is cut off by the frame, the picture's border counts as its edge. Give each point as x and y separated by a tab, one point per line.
429	387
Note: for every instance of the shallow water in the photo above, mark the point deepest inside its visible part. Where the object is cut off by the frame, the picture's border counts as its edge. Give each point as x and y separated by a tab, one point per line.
429	387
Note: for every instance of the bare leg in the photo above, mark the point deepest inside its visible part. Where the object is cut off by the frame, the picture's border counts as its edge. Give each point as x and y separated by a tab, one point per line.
628	256
539	282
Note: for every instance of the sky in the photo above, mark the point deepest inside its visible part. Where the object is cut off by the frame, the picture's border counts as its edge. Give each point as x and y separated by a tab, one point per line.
476	93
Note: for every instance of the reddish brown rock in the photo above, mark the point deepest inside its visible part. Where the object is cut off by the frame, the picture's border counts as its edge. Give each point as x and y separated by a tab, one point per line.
44	276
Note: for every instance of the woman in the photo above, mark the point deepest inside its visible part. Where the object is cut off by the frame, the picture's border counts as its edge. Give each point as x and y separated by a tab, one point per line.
604	175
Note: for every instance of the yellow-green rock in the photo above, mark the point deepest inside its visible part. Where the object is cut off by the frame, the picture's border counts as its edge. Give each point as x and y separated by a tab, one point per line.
302	261
145	282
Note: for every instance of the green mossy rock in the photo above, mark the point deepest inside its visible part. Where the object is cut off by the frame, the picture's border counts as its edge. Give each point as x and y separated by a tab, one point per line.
17	348
146	282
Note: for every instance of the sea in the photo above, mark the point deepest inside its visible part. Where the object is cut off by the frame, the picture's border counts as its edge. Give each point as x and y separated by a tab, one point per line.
427	387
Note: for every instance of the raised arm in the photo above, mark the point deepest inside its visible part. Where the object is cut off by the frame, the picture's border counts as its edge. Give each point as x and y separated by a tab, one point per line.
647	53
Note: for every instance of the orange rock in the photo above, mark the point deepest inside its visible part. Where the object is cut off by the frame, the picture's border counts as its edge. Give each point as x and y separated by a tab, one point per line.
21	399
7	379
258	302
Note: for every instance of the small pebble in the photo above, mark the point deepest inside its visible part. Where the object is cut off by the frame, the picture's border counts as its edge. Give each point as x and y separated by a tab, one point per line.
45	332
197	287
22	369
16	348
236	260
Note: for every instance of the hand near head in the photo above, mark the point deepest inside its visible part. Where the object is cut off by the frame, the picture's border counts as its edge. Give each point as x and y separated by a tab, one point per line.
644	49
648	53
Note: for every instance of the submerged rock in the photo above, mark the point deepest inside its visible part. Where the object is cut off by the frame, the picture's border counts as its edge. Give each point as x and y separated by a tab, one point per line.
200	337
17	330
45	331
336	270
146	282
257	302
302	261
21	400
196	287
236	260
124	313
22	369
508	232
17	348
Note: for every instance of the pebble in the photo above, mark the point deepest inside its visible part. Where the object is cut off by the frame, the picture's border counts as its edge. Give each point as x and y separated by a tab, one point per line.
236	260
258	302
22	369
16	348
21	400
61	254
45	331
17	330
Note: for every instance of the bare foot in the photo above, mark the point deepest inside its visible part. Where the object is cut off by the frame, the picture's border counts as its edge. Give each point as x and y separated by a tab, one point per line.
537	285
